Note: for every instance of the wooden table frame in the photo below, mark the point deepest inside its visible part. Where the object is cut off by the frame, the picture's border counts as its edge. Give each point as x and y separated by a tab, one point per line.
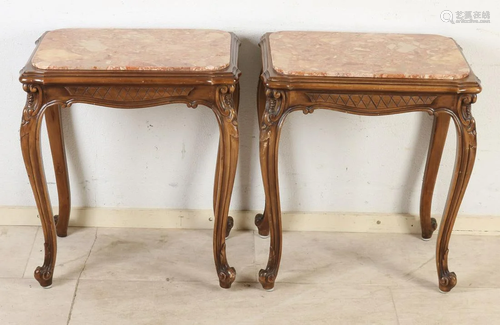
48	91
279	95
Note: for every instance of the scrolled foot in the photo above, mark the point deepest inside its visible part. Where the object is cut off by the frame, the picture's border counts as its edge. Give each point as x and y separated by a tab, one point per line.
427	234
434	223
227	277
262	224
44	276
447	281
60	232
266	279
229	226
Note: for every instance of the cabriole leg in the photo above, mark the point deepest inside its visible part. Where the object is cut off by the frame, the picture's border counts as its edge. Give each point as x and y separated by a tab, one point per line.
261	220
226	112
56	139
466	154
438	139
30	145
270	128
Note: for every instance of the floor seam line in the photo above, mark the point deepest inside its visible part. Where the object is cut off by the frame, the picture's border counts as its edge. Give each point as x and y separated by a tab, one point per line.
79	276
421	266
31	251
394	305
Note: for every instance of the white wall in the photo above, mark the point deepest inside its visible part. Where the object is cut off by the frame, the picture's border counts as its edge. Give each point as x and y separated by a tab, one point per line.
165	156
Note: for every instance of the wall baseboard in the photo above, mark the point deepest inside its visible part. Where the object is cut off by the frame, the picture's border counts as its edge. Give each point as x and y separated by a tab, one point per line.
292	221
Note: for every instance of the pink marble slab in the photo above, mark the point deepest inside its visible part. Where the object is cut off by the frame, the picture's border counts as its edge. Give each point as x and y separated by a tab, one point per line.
134	49
367	55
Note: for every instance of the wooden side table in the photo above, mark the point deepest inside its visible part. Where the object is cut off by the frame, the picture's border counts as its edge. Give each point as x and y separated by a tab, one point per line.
128	69
368	74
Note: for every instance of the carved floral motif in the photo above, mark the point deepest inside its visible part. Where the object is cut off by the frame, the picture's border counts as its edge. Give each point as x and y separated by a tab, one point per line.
33	103
272	112
226	107
464	107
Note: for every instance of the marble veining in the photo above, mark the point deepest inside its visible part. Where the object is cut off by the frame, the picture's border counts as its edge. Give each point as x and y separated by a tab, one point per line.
134	49
368	55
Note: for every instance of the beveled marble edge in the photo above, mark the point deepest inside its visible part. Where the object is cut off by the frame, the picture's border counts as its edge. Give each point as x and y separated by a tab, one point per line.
31	74
463	70
123	49
275	80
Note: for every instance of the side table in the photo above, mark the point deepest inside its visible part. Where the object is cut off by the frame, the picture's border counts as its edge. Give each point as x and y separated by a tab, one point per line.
133	68
367	74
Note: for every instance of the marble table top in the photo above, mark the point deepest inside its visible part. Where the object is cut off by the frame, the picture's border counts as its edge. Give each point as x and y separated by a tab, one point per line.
367	55
134	49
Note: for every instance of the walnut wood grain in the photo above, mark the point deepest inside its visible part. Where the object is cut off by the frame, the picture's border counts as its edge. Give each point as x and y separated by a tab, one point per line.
56	139
437	142
270	130
30	145
49	91
280	95
261	220
226	113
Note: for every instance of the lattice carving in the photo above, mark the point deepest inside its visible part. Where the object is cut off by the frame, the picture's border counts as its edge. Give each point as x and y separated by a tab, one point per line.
129	94
370	101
